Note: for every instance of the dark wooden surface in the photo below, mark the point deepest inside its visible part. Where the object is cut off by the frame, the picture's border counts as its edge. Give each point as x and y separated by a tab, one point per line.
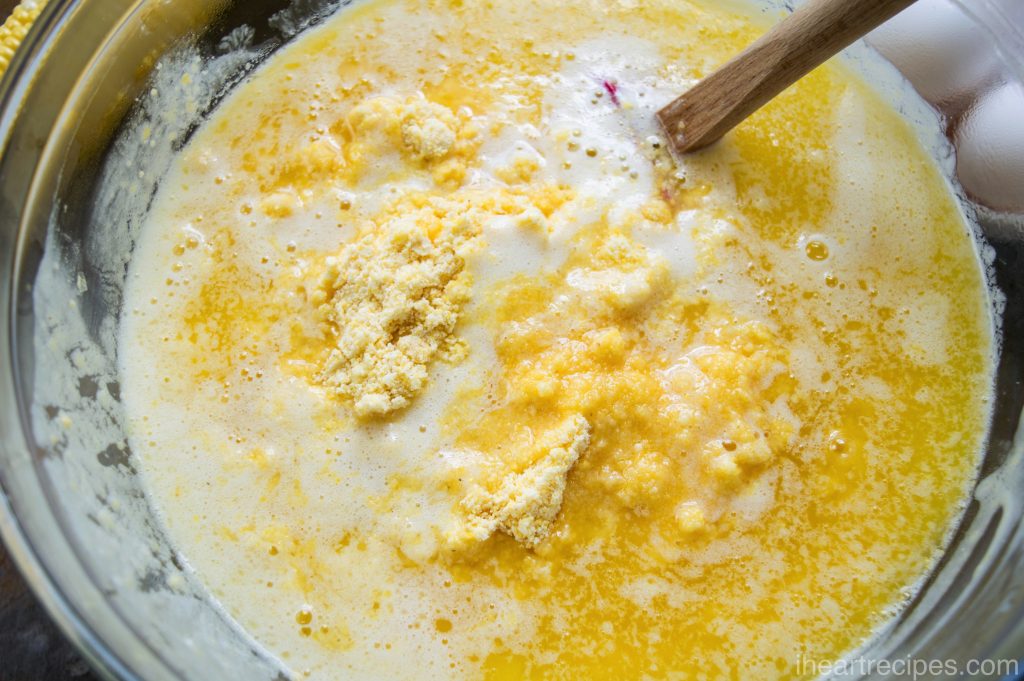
31	646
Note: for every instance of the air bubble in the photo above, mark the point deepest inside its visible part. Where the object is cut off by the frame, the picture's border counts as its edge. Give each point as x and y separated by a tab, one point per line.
816	250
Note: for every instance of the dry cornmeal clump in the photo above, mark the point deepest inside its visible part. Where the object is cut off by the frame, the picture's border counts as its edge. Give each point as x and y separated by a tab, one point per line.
525	503
392	299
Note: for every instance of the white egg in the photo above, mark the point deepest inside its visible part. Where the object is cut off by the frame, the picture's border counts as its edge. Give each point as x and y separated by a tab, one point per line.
945	55
990	144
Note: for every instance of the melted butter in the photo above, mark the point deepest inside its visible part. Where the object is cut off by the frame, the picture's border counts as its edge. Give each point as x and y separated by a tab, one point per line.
861	362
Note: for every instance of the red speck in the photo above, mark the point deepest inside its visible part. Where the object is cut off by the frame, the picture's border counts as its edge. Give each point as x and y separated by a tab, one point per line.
612	90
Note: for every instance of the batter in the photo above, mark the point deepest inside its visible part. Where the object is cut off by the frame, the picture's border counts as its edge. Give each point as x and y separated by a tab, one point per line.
438	366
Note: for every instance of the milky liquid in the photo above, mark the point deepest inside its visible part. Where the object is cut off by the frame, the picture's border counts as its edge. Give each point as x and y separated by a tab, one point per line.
239	462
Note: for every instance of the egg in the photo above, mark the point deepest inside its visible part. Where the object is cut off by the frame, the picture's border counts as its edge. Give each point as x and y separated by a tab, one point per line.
990	149
935	45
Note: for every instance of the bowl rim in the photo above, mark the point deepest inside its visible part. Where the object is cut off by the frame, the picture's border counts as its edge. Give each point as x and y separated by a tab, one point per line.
25	555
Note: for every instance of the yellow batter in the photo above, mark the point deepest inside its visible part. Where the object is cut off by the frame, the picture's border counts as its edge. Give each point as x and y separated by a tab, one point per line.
440	367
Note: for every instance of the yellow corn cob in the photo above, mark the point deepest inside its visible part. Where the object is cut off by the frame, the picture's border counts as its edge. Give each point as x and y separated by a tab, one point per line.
15	28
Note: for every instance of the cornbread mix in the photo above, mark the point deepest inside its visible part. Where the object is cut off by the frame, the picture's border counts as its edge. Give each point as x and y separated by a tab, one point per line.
438	366
391	300
15	28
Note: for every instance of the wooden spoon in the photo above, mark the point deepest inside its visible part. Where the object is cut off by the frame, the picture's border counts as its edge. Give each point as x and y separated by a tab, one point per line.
802	41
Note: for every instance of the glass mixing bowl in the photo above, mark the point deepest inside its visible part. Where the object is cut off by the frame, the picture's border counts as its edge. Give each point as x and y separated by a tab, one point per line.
81	110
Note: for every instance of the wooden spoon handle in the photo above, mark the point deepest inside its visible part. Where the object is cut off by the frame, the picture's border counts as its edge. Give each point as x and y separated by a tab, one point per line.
791	49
